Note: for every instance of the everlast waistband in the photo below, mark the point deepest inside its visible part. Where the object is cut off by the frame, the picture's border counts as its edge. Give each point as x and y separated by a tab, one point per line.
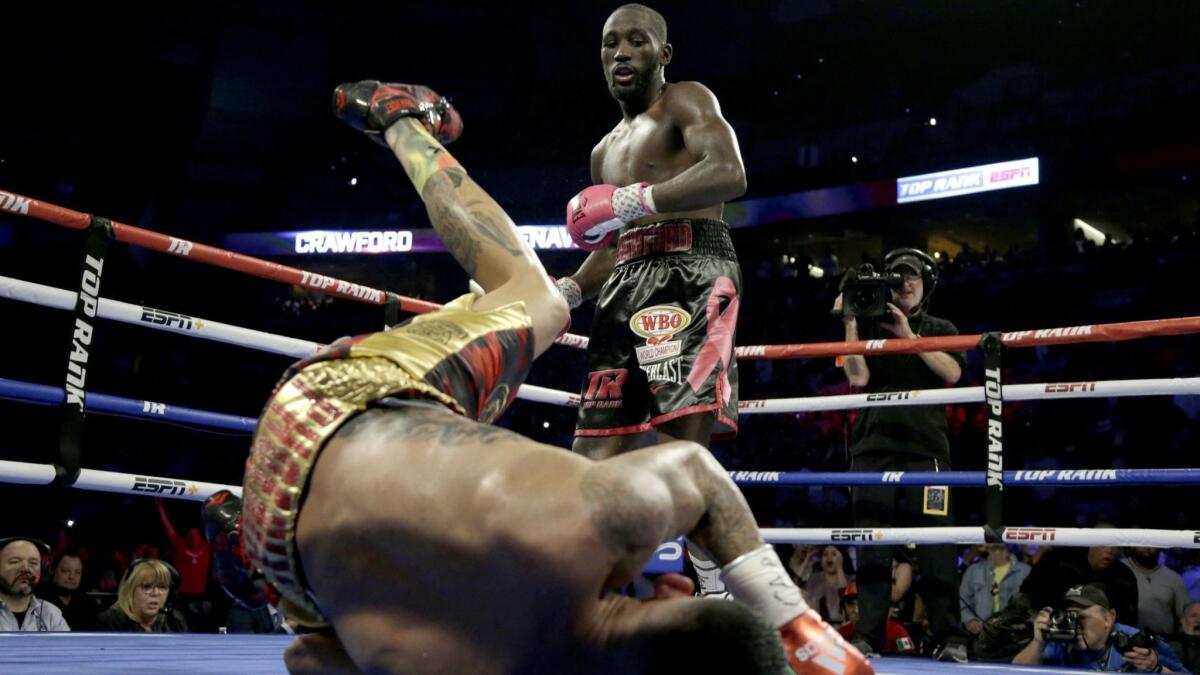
683	236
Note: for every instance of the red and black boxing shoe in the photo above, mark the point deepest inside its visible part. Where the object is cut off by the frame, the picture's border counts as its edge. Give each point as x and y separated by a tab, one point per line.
372	106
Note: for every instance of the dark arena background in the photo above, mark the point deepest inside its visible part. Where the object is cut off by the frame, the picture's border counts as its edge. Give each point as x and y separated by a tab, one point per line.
210	122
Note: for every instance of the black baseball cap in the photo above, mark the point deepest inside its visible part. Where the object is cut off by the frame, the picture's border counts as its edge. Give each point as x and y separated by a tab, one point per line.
1085	596
907	260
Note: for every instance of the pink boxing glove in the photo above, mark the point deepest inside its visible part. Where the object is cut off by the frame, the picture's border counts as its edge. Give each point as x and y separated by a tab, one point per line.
596	213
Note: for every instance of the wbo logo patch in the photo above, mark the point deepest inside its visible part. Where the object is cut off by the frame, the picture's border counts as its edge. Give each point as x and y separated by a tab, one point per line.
659	323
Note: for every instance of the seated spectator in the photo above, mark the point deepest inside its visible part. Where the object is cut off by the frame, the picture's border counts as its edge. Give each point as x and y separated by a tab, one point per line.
1161	592
989	585
142	601
1186	642
63	591
1062	568
20	569
825	587
1097	641
898	640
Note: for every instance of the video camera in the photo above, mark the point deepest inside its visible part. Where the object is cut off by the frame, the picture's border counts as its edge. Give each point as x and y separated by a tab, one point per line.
866	293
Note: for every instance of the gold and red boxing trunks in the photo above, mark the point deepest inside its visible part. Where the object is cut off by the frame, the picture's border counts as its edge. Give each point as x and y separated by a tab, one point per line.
470	361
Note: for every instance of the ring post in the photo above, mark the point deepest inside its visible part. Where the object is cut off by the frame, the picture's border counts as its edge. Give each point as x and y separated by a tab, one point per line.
993	369
70	439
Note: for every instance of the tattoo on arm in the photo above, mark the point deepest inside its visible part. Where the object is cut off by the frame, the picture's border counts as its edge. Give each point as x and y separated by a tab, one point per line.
616	509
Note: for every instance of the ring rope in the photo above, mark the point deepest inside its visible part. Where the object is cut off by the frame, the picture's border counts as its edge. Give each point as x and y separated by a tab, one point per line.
971	479
1169	386
237	262
48	296
158	319
1103	332
1013	392
1040	536
111	481
40	393
106	403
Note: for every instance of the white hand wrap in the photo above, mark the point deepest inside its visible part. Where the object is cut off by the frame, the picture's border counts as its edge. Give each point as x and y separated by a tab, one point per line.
570	291
760	580
633	201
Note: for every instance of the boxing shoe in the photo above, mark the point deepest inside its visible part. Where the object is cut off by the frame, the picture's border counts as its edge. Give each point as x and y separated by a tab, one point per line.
815	648
372	106
222	518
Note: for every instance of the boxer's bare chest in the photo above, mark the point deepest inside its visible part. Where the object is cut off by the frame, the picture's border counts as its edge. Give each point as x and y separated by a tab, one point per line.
647	148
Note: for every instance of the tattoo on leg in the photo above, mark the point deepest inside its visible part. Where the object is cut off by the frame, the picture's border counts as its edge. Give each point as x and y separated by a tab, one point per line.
447	217
499	233
419	153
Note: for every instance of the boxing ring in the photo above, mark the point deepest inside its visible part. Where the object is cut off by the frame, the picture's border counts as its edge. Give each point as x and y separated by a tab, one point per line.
231	653
194	654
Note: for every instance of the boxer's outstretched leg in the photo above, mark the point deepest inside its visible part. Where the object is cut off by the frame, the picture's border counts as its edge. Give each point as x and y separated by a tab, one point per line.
478	232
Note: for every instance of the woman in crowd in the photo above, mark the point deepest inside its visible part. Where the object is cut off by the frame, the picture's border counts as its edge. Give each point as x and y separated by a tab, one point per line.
142	601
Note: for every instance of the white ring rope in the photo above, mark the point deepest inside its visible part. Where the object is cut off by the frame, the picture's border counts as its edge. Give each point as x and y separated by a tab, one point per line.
1040	536
1011	392
111	481
115	310
47	296
174	488
149	317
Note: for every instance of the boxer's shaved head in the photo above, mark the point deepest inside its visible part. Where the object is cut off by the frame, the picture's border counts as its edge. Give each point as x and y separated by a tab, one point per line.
654	23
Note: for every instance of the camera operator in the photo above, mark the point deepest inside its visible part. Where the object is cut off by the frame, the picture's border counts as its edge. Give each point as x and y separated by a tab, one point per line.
908	438
1084	633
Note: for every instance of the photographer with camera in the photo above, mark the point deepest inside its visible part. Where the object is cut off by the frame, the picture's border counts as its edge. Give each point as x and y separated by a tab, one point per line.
1084	633
893	304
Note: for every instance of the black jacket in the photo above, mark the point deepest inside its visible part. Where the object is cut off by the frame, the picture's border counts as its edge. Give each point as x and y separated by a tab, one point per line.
115	620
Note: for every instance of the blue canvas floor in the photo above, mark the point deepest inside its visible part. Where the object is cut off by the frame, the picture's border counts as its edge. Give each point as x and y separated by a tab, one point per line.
80	653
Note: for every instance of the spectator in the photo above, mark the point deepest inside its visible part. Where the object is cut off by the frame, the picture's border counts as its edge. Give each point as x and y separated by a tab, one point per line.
1161	592
1186	643
142	601
191	557
989	585
1062	568
64	592
1097	642
20	570
804	557
824	589
898	640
